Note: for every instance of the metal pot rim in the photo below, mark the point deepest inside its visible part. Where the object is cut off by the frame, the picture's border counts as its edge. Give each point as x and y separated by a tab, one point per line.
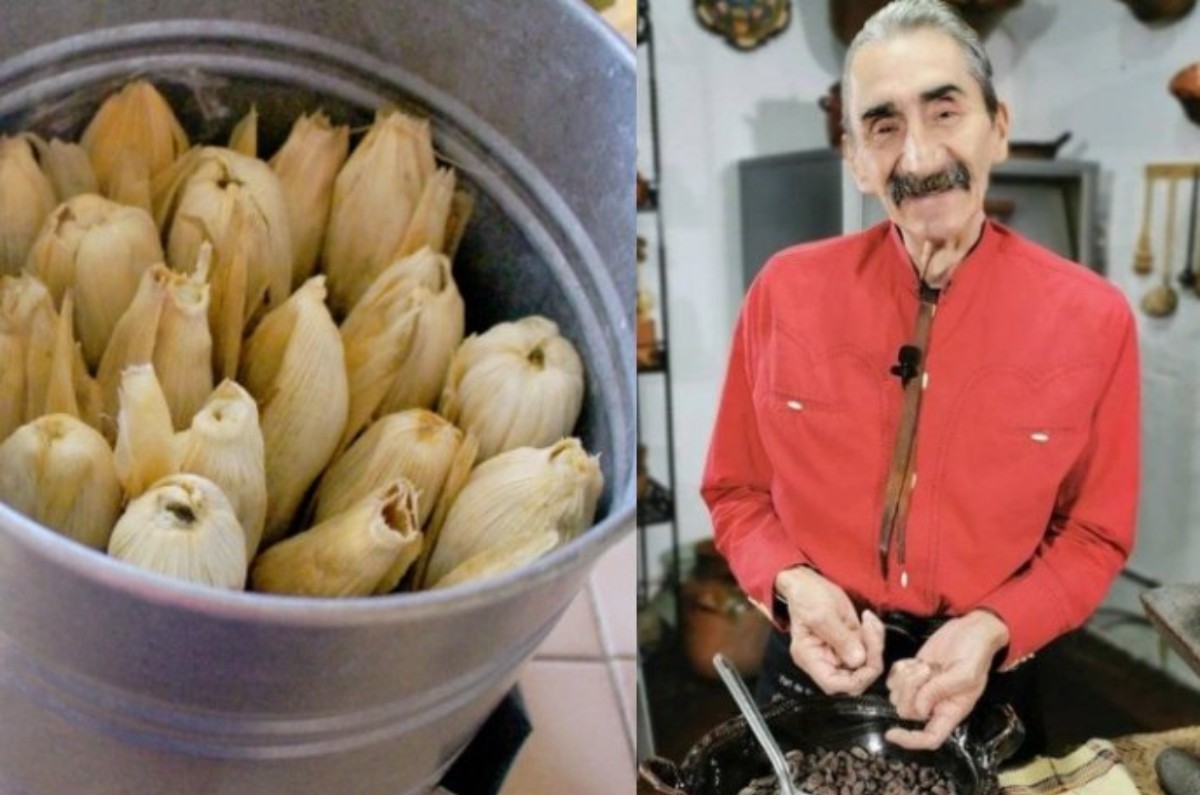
77	560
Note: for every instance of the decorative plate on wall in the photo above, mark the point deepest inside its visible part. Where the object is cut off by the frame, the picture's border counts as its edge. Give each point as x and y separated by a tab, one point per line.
744	24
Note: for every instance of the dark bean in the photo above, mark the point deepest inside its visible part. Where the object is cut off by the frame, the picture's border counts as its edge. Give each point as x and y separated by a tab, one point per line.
855	771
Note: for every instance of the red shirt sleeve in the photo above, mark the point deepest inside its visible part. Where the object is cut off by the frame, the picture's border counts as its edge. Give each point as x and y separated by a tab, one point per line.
1092	530
738	476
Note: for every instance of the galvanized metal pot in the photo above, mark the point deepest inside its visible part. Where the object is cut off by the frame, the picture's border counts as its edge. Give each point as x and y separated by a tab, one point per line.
118	682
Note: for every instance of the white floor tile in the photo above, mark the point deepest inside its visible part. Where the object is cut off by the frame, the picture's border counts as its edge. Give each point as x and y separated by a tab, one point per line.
577	636
578	744
614	582
625	673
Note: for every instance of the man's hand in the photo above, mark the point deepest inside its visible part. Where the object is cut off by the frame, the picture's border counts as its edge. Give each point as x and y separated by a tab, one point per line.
829	643
942	683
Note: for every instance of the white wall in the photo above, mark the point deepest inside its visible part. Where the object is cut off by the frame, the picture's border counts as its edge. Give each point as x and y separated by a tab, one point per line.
1087	67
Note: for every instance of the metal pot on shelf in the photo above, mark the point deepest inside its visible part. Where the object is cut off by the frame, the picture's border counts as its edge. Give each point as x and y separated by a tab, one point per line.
119	682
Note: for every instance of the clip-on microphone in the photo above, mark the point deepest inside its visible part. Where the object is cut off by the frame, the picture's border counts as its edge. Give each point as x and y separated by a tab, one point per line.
908	363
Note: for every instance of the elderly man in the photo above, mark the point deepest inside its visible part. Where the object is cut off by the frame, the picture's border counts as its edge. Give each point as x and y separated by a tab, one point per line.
934	421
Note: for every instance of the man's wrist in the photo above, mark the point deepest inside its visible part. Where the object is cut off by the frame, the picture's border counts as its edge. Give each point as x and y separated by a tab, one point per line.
996	629
782	590
787	582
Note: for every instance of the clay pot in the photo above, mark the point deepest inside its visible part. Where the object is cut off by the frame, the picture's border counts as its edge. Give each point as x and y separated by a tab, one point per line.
831	103
1160	11
717	617
1185	87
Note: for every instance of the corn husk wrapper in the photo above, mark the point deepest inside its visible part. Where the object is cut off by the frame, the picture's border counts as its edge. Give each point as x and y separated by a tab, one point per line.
58	471
364	550
623	15
183	527
164	325
518	384
133	137
67	166
70	389
400	337
12	384
519	501
235	203
102	249
295	368
225	445
26	198
462	207
183	350
427	227
307	165
145	450
374	199
41	366
130	182
28	325
416	444
499	559
244	137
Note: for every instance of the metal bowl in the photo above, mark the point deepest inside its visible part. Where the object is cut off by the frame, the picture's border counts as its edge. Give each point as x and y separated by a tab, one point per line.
728	757
117	681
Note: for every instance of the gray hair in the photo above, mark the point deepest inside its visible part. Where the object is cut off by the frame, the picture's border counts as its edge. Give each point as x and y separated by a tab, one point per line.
904	16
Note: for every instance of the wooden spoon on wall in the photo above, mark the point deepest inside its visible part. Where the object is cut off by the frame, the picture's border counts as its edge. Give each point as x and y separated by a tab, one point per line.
1143	258
1162	299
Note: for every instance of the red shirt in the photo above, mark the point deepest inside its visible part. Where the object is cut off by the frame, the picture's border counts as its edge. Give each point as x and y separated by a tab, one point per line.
1027	447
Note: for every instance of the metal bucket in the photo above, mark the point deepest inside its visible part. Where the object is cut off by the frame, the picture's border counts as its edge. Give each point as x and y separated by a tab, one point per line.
118	682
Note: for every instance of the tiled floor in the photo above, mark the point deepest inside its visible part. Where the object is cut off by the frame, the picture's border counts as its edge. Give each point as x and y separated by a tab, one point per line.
579	690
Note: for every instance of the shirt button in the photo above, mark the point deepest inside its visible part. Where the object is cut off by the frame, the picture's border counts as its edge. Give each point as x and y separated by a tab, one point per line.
1041	437
925	380
795	405
912	483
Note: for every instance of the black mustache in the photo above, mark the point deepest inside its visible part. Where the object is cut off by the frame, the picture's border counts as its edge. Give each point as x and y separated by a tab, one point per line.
911	186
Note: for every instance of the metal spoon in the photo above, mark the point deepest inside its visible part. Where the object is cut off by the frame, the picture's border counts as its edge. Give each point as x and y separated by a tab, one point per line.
737	689
1189	278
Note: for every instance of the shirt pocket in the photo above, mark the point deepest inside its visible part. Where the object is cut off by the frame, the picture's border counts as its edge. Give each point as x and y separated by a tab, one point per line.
819	415
1015	445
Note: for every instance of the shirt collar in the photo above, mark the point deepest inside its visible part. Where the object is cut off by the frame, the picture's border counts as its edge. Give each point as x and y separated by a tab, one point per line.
904	277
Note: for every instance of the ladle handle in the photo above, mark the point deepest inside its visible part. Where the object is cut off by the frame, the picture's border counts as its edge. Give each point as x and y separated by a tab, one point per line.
1188	277
737	688
1168	259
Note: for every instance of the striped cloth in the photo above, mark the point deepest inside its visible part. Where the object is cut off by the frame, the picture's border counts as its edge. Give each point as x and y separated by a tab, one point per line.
1093	768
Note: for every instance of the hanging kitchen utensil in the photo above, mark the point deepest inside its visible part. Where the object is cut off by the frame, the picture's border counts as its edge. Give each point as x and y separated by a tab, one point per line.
1038	150
1185	87
1188	277
1162	300
754	718
1143	257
